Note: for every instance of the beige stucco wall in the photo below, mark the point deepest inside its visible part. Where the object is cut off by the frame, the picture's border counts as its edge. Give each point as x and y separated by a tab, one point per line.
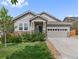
24	19
47	17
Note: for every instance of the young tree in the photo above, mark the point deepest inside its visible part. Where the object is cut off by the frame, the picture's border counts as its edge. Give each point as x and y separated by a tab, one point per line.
6	23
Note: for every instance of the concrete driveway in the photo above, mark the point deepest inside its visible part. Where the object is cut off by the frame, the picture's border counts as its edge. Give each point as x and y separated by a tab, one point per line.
67	47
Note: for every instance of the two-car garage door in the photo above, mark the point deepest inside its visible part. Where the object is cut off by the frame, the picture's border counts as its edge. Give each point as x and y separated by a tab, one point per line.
51	33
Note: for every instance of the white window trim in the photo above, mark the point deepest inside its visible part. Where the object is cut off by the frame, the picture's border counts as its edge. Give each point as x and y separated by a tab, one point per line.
24	26
19	26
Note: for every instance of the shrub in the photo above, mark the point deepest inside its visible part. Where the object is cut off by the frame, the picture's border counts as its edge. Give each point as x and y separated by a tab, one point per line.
17	39
38	36
25	37
33	37
41	36
11	38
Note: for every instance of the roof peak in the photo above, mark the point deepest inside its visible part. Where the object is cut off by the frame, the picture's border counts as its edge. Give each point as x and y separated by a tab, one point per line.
44	12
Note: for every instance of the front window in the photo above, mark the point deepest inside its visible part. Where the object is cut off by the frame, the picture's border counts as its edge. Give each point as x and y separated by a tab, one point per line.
25	26
20	26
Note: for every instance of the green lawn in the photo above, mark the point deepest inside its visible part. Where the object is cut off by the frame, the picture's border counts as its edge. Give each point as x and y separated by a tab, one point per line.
31	50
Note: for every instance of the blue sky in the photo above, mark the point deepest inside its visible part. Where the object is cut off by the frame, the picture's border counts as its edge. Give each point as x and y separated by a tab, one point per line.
57	8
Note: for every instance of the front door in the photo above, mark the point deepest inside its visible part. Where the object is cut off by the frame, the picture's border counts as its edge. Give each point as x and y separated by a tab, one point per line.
40	28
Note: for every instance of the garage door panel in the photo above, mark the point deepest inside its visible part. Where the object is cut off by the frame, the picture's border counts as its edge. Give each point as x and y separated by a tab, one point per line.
51	34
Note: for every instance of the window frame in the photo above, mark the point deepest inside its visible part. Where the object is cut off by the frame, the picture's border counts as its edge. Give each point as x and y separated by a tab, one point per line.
20	26
25	26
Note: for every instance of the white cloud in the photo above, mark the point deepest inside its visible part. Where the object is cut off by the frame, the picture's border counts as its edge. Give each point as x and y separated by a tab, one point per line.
4	3
20	3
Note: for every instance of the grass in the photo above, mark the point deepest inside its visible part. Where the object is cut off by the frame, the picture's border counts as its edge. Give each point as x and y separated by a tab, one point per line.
32	50
9	49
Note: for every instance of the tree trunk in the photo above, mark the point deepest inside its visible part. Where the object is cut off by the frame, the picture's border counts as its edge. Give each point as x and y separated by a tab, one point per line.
5	40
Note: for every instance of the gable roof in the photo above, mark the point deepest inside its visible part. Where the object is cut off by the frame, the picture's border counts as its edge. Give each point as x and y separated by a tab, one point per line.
50	16
35	15
38	16
25	13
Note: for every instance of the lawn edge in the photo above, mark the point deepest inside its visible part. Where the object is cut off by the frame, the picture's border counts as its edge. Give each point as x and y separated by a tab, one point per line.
53	50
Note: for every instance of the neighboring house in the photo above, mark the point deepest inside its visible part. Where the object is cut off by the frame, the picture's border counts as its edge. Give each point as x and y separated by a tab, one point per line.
74	21
43	22
70	19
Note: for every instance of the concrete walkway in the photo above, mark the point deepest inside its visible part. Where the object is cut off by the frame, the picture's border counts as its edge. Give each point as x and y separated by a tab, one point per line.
67	47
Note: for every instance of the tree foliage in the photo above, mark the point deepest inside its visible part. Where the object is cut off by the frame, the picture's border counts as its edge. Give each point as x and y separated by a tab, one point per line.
6	23
14	1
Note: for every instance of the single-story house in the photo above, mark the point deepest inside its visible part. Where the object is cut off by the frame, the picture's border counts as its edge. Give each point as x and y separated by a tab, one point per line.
43	22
